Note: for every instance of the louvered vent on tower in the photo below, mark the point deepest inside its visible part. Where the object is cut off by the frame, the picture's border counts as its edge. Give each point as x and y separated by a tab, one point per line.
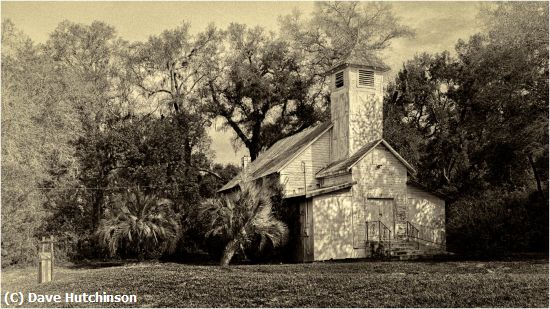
366	78
339	79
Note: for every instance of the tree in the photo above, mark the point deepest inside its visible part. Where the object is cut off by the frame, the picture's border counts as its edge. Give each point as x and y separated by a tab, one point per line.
340	30
168	68
167	71
420	115
526	75
477	127
259	89
269	87
466	112
124	141
240	217
37	131
139	224
87	59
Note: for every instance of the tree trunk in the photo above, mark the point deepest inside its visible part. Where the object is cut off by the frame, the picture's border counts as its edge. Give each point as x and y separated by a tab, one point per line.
229	252
253	150
99	198
98	201
255	146
537	177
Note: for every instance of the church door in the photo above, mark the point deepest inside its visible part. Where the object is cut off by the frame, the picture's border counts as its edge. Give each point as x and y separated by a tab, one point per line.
382	209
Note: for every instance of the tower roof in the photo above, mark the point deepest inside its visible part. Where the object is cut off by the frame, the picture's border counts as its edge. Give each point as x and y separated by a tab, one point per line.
360	62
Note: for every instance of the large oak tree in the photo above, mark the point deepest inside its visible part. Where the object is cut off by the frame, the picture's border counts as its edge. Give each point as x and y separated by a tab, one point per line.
267	87
259	88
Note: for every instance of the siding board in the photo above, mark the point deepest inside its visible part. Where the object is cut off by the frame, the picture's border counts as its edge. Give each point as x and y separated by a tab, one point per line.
427	212
315	158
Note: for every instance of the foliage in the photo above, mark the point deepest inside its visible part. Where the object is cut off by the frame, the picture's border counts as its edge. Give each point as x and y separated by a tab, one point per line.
210	184
167	68
240	217
267	87
140	225
260	90
497	222
483	114
340	30
166	72
87	62
37	129
125	143
476	127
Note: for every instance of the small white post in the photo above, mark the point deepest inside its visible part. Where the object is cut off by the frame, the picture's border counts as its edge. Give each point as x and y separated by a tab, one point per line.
45	260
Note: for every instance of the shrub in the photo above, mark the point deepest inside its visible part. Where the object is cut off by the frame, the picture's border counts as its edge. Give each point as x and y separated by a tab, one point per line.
497	222
139	225
241	217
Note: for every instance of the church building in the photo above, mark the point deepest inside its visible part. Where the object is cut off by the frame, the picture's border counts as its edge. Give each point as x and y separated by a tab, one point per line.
355	195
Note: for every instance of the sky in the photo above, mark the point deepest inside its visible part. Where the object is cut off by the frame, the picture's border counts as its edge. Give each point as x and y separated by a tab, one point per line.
438	27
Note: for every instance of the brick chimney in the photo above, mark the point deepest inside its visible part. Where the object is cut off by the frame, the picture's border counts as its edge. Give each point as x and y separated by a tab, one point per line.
245	161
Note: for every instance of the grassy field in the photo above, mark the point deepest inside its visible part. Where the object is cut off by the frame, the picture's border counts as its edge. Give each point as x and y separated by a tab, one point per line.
345	284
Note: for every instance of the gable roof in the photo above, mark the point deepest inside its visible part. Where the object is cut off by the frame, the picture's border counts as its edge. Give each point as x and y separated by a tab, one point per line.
283	151
344	165
416	183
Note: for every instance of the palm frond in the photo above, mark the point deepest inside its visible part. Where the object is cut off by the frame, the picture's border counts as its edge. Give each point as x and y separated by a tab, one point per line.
243	215
140	221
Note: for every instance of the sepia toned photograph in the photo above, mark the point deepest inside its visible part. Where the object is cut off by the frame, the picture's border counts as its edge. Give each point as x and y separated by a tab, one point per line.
263	154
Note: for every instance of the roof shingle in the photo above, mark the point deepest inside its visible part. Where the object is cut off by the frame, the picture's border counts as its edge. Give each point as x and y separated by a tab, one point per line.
343	166
280	153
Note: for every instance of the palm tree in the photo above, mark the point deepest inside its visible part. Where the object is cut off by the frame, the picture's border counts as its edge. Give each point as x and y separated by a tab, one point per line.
241	216
139	222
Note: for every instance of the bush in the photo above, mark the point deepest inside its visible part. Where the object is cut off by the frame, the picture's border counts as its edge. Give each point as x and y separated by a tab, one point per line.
242	217
21	219
497	222
140	225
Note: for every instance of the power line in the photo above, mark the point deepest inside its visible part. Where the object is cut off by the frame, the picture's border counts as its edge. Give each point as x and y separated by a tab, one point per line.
96	188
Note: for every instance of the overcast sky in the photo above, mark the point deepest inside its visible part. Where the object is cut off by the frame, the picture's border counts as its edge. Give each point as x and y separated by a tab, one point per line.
438	26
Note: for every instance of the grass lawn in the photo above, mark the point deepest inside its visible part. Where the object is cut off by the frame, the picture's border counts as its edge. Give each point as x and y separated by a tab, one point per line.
342	284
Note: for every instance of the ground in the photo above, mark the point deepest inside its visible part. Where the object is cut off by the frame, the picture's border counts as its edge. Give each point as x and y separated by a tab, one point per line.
330	284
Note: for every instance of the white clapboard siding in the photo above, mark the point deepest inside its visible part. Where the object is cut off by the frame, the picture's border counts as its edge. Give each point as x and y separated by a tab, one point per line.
427	212
315	158
382	173
335	180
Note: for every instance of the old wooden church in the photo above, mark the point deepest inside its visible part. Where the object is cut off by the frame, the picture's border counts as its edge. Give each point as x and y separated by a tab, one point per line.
355	195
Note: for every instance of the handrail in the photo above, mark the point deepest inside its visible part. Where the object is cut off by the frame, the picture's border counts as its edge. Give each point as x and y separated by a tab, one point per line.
422	232
384	233
385	228
411	232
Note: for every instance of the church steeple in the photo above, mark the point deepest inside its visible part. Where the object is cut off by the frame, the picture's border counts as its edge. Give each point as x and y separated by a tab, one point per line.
356	105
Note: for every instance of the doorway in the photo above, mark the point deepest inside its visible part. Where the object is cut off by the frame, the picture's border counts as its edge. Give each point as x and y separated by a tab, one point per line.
305	247
383	210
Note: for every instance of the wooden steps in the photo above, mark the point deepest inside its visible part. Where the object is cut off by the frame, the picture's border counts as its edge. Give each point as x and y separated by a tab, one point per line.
411	250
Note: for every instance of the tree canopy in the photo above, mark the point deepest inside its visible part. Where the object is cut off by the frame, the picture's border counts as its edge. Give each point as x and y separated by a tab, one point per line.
267	86
476	125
